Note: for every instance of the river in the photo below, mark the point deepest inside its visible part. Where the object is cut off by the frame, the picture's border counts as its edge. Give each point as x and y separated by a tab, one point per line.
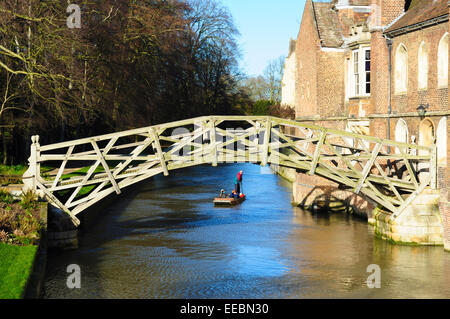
166	240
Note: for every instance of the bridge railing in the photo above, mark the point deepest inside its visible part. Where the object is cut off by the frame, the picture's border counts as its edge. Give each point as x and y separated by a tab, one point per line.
89	169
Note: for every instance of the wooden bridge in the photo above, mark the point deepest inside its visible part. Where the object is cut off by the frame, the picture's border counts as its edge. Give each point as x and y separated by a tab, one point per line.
389	173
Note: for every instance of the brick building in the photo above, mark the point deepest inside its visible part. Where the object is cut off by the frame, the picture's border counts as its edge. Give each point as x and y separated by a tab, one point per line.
376	67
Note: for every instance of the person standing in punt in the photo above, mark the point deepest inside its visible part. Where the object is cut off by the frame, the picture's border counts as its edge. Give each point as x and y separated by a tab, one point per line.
238	183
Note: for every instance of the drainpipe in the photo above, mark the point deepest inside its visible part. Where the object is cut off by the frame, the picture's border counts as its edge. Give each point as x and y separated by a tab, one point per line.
389	44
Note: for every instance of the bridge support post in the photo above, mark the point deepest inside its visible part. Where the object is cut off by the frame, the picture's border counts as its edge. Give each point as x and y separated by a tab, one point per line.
159	151
267	135
419	224
212	134
30	176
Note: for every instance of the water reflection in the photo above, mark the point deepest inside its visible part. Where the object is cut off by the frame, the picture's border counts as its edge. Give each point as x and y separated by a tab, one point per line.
168	241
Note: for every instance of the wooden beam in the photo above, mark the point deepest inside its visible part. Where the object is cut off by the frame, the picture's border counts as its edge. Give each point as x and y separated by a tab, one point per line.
410	170
410	199
367	168
106	167
380	170
316	157
433	167
159	152
134	154
56	201
61	168
213	143
267	134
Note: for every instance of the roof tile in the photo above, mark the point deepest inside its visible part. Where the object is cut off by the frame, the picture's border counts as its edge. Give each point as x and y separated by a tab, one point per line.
422	11
328	25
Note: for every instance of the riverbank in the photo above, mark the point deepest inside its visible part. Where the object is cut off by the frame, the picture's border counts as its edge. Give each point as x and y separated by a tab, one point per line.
23	223
11	174
16	264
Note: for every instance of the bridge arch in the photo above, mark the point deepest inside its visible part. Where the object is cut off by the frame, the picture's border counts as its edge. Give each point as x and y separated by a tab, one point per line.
115	161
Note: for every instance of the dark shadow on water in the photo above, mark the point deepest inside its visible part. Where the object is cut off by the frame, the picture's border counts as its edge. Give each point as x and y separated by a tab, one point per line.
326	200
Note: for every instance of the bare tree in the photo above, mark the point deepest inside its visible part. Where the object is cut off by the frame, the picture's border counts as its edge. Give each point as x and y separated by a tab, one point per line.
273	73
132	63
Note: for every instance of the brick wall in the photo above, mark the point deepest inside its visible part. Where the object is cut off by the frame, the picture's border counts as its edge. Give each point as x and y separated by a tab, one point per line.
383	13
306	49
321	75
435	97
330	83
379	88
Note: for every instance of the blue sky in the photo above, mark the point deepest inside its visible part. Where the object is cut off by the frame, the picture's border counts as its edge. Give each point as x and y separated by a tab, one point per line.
266	27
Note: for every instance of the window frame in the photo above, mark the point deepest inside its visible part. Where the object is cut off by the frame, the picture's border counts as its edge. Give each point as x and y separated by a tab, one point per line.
367	72
357	81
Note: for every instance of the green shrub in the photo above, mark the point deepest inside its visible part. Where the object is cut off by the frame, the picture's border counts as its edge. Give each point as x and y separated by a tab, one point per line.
20	222
12	170
6	197
261	107
29	200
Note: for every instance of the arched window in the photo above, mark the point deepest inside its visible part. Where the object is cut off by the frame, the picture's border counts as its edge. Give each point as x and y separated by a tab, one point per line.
426	138
401	133
443	62
401	69
422	71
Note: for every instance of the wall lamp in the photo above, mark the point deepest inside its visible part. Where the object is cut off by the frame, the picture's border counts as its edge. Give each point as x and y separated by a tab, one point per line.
422	110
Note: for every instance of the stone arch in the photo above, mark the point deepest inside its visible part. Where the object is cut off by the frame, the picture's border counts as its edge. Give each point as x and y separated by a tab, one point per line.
401	133
426	132
401	69
443	62
422	67
441	134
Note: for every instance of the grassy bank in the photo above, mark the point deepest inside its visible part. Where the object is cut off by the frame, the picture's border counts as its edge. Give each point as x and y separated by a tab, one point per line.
15	170
20	226
16	263
11	174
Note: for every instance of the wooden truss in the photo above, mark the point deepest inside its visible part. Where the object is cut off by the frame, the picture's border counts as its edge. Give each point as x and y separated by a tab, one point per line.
384	171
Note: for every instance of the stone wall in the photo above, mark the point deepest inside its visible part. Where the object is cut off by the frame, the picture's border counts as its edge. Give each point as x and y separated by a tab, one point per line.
288	82
419	224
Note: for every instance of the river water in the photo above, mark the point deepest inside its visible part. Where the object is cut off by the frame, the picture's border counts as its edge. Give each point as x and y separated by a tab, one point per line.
166	240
